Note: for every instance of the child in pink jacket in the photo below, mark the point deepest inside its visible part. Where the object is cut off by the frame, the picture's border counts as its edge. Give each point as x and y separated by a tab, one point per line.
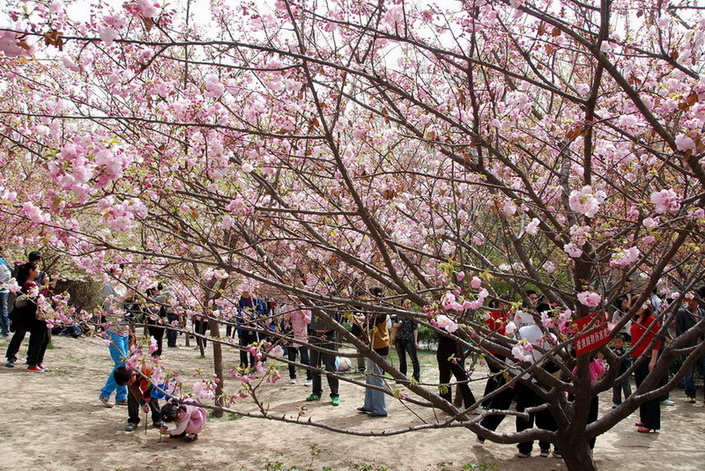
297	320
189	420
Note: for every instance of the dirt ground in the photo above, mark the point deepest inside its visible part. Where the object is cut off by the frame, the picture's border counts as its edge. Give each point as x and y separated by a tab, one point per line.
53	421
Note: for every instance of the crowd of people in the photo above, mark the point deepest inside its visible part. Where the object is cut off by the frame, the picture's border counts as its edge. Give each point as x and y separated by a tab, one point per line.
296	327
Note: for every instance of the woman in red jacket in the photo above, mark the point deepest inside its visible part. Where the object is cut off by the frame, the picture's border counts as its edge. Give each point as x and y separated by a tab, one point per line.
643	331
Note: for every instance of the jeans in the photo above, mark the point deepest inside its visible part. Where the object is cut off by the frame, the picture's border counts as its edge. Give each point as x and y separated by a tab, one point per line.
408	346
171	333
619	388
4	318
119	348
690	389
375	400
326	341
291	355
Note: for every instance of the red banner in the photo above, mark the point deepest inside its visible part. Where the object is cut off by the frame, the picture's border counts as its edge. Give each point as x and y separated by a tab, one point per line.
599	335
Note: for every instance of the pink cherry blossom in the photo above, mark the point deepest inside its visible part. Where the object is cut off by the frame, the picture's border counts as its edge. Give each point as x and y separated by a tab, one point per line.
589	298
12	45
684	143
509	208
666	201
69	63
108	35
153	346
625	257
533	227
523	351
651	223
203	390
572	250
445	323
35	214
586	201
148	8
547	321
476	282
227	222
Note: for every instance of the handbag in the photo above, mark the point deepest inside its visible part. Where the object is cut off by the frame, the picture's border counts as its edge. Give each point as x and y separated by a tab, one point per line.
22	301
45	311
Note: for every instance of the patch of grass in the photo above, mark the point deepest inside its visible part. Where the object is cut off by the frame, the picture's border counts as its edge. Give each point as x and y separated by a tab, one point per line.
488	463
370	467
60	372
228	417
71	359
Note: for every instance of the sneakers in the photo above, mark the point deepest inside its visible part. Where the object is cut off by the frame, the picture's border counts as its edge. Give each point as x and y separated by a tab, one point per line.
690	400
11	363
35	369
130	427
335	401
523	455
313	397
362	410
44	368
544	453
309	382
292	381
667	402
121	403
191	438
106	402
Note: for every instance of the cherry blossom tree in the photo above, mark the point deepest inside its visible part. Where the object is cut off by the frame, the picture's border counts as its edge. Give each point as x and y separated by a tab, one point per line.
450	153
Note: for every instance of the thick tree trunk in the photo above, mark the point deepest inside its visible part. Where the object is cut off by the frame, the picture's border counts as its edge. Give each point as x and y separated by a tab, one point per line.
577	456
217	365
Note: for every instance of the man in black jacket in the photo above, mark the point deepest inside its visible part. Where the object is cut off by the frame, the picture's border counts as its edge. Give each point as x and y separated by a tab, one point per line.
686	318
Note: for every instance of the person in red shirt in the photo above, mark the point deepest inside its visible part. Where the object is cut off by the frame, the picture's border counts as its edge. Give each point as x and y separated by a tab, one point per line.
644	330
497	322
